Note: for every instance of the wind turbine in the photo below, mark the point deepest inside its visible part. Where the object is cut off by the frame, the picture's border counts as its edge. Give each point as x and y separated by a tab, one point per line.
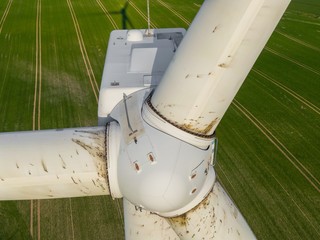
161	98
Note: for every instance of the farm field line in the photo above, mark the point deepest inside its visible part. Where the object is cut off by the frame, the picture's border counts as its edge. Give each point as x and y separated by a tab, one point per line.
71	218
5	14
119	211
270	173
142	14
295	203
36	116
114	24
292	60
291	198
37	105
298	41
289	156
38	220
186	21
31	218
223	172
86	60
301	21
289	91
38	71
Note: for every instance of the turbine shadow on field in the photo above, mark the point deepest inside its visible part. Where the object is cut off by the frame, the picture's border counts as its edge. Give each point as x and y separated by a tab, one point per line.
125	19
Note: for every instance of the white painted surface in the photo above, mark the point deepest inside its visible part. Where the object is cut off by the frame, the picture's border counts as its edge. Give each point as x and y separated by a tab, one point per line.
156	171
134	61
53	164
213	60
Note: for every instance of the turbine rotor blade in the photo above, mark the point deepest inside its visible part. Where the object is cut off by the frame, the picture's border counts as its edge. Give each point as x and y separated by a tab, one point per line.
212	61
53	164
216	217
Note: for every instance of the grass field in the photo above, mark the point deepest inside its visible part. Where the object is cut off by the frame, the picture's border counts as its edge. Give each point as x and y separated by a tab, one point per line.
51	61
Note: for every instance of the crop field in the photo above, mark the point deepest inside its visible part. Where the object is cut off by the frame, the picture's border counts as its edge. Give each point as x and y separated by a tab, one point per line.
51	60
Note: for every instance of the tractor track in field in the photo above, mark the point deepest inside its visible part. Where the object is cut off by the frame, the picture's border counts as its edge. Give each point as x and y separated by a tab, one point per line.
289	91
281	186
85	57
288	155
38	71
36	115
301	21
104	9
142	15
186	21
298	41
292	60
5	14
71	218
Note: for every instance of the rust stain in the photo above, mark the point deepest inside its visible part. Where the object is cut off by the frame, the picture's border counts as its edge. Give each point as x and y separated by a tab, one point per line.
210	126
151	157
179	220
193	175
136	166
206	130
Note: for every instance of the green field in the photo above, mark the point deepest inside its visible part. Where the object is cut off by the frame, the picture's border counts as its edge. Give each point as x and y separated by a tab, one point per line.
51	60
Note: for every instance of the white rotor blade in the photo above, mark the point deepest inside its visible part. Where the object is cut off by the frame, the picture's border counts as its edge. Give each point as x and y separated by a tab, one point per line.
53	164
216	217
212	61
141	224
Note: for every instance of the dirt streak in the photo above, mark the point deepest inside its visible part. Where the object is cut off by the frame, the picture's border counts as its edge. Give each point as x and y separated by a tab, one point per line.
5	14
92	79
298	41
294	161
142	14
292	60
114	24
289	91
174	12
